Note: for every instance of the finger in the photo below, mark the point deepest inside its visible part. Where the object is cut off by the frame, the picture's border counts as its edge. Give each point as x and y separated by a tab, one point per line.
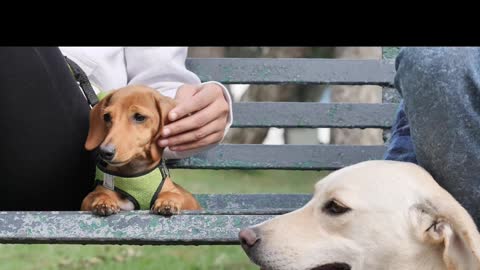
193	103
211	139
197	120
194	135
186	91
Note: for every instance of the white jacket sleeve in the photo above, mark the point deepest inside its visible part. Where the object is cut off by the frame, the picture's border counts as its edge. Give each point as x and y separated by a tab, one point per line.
163	68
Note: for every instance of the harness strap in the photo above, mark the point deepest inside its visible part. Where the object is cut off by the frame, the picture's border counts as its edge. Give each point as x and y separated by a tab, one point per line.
83	81
164	169
108	181
165	173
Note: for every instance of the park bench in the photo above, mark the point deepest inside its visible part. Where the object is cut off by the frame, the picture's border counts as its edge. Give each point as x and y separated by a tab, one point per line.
224	215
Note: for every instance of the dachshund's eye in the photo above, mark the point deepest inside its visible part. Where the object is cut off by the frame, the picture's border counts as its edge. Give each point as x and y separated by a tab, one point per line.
107	118
139	118
334	208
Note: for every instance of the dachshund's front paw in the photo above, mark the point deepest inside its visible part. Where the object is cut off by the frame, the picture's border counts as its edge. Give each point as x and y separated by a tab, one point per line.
105	206
166	207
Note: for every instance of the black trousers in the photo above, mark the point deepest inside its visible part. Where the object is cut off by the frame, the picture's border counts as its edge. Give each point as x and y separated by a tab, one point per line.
43	125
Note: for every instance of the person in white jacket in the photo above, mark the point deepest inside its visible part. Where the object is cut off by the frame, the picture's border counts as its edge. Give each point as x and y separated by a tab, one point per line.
44	116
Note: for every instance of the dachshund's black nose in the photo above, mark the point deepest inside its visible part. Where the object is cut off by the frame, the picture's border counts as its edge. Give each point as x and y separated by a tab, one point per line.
107	152
248	238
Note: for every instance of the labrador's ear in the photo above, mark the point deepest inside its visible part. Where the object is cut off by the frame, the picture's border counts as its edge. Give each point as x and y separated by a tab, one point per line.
442	221
164	104
97	128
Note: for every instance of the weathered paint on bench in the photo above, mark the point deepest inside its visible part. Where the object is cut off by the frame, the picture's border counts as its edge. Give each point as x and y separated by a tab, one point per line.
280	157
136	228
313	115
219	223
293	70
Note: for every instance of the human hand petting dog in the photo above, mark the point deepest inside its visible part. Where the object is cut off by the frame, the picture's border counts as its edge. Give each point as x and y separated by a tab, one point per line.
198	120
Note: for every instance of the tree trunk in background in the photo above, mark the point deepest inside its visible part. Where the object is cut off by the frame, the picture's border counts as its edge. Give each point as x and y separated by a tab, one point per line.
361	94
206	52
279	93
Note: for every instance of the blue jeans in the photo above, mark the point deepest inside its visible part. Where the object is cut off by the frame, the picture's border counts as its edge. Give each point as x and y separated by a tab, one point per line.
438	121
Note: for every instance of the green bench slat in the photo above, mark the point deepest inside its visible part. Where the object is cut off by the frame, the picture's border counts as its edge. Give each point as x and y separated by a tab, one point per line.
313	115
133	228
251	203
292	70
287	157
219	223
242	211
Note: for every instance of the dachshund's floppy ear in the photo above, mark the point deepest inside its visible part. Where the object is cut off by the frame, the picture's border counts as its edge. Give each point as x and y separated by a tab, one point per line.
164	105
97	129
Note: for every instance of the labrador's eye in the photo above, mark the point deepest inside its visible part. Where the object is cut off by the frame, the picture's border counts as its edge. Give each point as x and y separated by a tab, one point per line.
334	208
107	118
139	118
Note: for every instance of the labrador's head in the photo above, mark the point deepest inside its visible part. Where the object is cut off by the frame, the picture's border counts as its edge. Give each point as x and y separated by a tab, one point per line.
372	215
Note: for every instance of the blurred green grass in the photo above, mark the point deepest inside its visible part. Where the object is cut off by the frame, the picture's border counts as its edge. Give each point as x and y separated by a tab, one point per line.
121	257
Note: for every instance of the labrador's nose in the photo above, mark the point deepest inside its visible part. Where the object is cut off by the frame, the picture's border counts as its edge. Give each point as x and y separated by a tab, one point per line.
107	152
248	238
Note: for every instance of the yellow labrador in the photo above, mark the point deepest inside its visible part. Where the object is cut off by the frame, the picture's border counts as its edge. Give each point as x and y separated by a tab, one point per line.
372	215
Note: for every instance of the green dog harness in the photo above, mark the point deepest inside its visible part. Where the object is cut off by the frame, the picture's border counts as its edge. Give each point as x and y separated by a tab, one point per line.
142	190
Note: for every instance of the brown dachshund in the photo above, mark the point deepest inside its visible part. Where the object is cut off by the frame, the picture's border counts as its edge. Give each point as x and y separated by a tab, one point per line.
124	127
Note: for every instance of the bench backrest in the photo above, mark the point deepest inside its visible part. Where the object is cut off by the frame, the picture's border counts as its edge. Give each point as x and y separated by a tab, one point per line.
296	114
224	215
